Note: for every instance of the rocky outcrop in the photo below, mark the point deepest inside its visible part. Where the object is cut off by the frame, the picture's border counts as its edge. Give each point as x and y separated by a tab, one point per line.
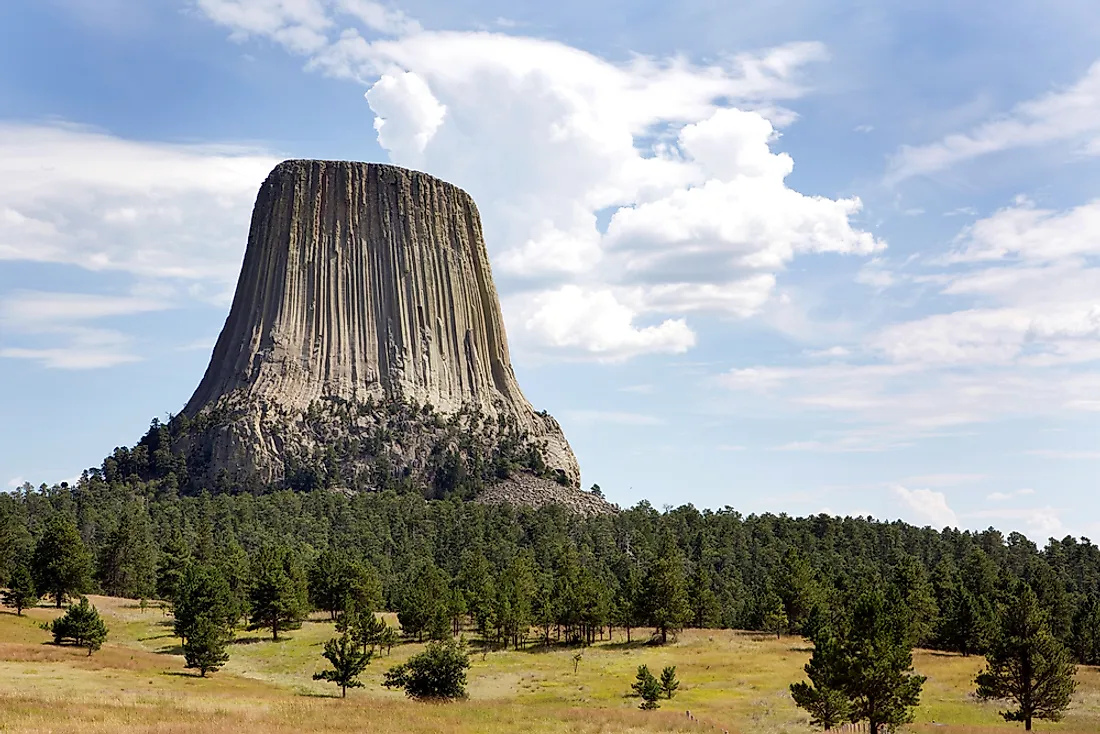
363	285
526	490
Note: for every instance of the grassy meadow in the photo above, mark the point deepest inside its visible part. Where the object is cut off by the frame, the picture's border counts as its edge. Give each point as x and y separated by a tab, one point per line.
729	680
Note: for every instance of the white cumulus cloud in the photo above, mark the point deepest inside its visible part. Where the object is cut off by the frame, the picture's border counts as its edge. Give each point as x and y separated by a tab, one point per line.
926	506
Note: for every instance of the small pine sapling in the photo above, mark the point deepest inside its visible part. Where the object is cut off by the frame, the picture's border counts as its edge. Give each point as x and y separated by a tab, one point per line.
669	684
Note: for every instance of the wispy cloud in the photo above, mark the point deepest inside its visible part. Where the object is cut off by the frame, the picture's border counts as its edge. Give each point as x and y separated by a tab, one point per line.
1071	114
1006	496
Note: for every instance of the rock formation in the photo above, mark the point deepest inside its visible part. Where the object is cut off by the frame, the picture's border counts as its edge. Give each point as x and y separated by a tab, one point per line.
365	331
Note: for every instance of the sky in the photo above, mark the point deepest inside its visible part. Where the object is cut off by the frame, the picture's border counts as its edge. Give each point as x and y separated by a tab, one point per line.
777	255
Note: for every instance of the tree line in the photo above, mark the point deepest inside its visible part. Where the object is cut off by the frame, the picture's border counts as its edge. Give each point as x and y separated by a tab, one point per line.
521	576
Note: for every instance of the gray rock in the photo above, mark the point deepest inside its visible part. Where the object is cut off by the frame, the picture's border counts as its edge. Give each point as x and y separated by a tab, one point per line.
361	282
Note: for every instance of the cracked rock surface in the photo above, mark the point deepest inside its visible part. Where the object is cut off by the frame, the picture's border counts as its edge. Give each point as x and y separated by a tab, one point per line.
360	282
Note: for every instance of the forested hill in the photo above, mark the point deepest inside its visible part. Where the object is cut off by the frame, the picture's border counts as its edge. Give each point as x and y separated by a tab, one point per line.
549	568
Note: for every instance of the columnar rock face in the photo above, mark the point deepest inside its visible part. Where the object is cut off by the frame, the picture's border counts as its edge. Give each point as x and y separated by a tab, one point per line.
361	283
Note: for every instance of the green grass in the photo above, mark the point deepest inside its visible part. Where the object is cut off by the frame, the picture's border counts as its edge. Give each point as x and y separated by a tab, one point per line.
731	680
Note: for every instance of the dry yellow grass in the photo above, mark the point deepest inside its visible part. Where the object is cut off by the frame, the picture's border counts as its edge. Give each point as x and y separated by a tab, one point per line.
730	680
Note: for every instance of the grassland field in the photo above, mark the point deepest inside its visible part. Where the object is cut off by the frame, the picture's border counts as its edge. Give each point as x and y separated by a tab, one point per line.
734	681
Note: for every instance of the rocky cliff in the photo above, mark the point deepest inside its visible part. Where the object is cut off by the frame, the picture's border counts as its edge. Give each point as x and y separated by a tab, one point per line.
365	344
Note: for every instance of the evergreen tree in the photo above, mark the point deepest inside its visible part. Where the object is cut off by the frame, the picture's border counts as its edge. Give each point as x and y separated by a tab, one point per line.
347	663
423	603
647	687
868	659
669	683
335	581
277	595
61	564
663	593
964	627
82	625
205	647
20	594
774	617
705	610
202	593
1026	664
175	556
917	599
438	673
797	588
825	697
1086	632
128	560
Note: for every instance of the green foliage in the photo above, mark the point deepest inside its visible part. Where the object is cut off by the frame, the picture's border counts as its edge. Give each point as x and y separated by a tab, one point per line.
669	683
797	588
774	618
965	626
664	597
20	593
206	646
438	673
422	607
128	558
202	593
866	658
62	565
647	687
917	599
277	594
336	582
1026	664
347	663
175	557
81	625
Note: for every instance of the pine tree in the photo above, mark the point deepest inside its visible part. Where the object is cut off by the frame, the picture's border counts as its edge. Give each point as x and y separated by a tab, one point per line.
647	687
277	594
774	617
1086	632
423	605
669	683
965	625
335	581
62	565
797	588
20	593
918	599
663	593
867	658
175	556
705	610
824	697
128	560
347	663
206	645
1026	664
82	625
202	592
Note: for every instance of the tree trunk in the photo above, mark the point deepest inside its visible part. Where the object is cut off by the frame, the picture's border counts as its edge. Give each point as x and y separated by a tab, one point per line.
343	691
1027	723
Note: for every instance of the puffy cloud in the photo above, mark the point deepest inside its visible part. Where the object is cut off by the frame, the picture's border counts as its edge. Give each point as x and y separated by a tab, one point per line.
927	506
674	157
406	114
595	323
1071	114
81	197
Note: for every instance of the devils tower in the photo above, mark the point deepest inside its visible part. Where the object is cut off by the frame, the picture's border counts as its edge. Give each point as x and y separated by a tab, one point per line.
365	346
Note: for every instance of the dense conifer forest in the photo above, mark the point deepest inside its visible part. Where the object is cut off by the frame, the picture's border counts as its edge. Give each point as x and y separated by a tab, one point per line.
441	563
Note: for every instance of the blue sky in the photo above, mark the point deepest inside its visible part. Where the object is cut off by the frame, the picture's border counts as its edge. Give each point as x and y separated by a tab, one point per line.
783	256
